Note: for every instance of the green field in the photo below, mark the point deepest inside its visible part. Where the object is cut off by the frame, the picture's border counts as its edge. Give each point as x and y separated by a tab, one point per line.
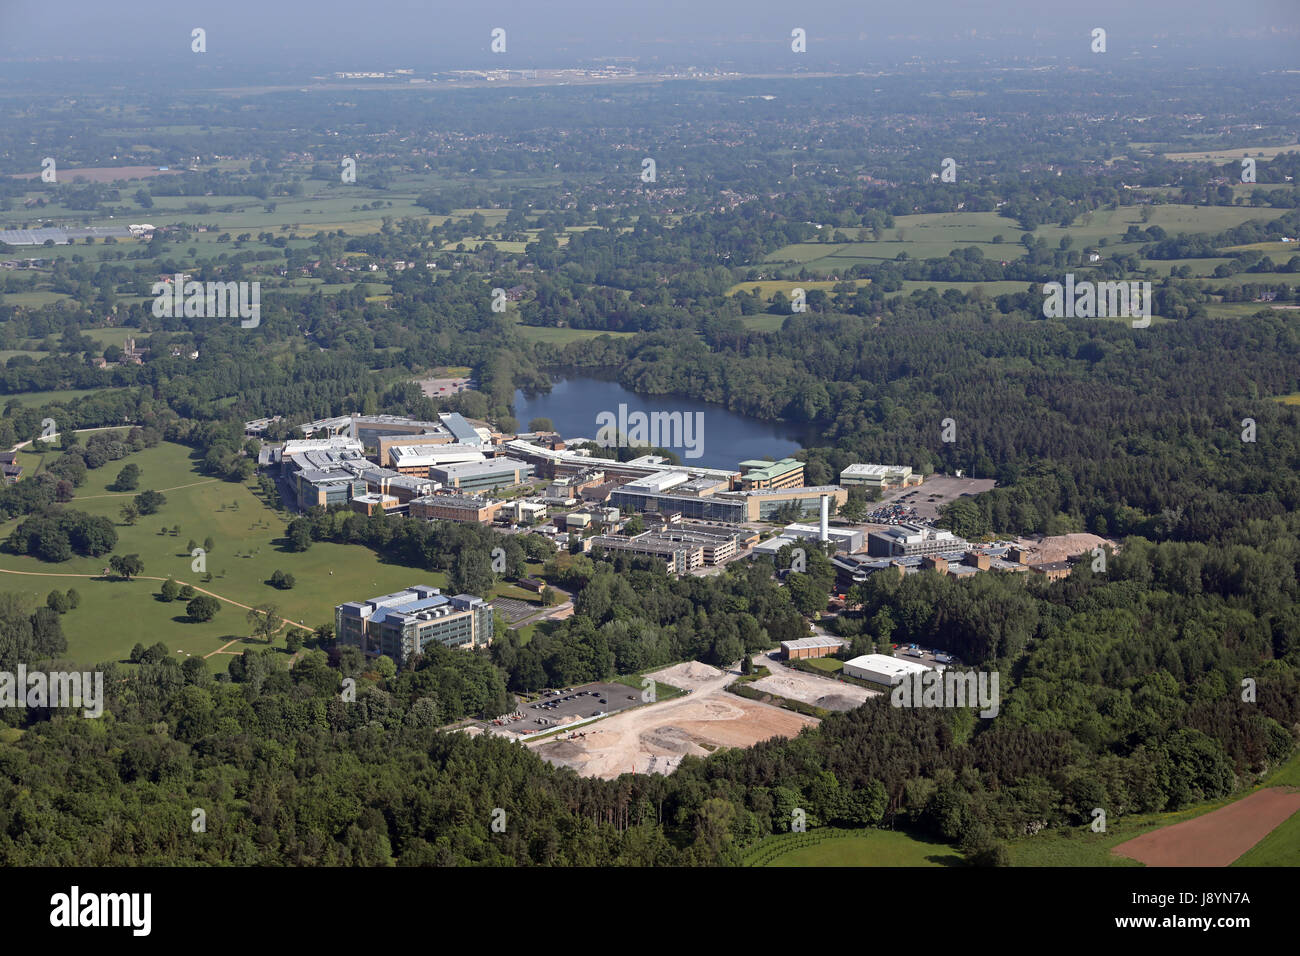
114	615
828	665
935	235
851	848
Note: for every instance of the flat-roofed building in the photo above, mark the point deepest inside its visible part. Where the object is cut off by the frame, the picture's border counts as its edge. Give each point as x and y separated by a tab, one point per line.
679	556
913	540
403	624
932	562
419	459
372	503
757	474
530	511
455	508
805	647
842	539
1053	570
881	669
316	488
482	475
879	476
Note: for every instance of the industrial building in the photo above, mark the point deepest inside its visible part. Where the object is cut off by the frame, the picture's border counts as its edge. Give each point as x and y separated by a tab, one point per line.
455	508
881	669
461	430
912	540
473	476
757	474
401	625
805	647
879	476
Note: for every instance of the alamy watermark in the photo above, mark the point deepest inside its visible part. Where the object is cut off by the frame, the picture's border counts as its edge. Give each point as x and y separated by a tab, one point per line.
653	429
49	689
949	689
211	300
1092	300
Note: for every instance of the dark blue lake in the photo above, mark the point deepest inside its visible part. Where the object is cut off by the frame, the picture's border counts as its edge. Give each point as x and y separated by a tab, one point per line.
718	438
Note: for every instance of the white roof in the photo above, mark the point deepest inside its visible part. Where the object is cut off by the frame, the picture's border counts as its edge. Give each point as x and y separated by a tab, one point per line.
883	664
874	471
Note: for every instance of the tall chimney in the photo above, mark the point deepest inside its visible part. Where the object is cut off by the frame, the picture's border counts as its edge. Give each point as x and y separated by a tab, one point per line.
826	517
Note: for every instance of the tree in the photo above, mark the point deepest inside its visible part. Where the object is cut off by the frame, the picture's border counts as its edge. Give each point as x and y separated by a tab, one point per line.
203	608
190	546
541	425
130	513
208	544
57	601
126	566
170	590
150	501
187	592
127	479
293	641
282	580
74	598
137	653
265	621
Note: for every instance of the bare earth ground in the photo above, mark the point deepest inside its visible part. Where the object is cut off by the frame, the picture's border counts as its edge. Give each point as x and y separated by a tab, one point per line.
655	738
824	692
1063	546
1216	838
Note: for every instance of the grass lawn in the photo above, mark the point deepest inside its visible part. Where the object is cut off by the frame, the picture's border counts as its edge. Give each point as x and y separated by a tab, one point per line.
37	399
113	615
856	848
828	664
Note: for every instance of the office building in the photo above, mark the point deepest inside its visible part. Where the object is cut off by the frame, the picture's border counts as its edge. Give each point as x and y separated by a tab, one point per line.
403	624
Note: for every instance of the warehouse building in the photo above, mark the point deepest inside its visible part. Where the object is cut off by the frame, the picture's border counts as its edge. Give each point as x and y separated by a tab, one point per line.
461	430
401	625
881	669
805	647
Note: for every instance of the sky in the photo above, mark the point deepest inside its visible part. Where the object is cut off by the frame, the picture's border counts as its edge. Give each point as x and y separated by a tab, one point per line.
435	34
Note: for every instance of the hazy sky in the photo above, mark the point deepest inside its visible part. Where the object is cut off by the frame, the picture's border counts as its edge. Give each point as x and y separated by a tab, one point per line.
432	34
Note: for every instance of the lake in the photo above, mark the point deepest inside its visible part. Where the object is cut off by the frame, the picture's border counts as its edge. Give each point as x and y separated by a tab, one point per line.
580	404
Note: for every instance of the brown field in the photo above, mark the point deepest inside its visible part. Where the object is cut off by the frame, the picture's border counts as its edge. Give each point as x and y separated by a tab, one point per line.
655	738
1217	838
103	174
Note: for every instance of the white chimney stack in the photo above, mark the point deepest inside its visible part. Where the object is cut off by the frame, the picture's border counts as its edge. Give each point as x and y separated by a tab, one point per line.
826	518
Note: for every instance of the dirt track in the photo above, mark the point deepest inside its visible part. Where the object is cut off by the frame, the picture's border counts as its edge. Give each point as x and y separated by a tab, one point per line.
1216	838
655	738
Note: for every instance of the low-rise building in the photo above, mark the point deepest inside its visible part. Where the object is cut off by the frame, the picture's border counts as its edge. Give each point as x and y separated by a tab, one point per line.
879	476
881	669
805	647
913	540
482	475
680	556
455	508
